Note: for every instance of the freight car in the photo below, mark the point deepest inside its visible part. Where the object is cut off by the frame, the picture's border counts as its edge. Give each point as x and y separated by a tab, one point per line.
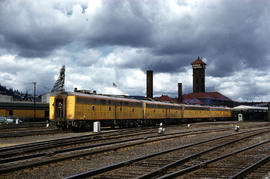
25	111
79	110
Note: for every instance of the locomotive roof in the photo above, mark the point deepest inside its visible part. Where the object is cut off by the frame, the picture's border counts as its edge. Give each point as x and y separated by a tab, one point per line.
110	97
100	96
122	98
162	103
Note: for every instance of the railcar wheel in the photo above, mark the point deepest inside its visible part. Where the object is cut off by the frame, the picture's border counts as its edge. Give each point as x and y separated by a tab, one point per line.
63	127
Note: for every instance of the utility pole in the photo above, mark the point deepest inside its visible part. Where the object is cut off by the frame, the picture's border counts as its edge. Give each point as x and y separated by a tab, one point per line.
35	84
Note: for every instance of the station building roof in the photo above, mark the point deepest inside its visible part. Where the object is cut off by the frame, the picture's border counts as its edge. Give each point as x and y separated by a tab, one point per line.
210	95
166	98
207	98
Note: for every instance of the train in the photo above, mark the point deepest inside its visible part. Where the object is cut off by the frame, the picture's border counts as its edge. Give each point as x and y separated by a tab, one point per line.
80	110
249	113
25	111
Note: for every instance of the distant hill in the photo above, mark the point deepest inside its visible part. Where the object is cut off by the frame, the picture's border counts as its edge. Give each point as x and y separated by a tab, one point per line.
17	95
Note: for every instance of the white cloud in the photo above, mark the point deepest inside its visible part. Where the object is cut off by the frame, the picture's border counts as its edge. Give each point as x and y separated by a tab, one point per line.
102	42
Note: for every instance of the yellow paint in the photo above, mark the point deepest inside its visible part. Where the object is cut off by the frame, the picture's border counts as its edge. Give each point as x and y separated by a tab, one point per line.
81	111
51	107
144	110
23	113
196	114
106	112
28	113
70	107
222	114
155	113
3	112
129	112
174	113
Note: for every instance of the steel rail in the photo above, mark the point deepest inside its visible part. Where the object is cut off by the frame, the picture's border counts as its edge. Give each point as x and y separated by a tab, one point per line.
28	133
118	165
75	140
61	158
57	143
250	168
204	164
23	125
12	159
91	136
181	161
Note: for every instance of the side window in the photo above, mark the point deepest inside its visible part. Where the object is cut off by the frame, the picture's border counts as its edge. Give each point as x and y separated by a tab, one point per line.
120	108
132	109
110	108
93	108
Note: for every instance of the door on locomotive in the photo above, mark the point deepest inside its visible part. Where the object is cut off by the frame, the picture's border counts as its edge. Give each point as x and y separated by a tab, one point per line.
59	108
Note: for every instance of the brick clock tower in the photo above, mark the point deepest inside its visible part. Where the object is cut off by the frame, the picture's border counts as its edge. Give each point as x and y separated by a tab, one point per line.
198	67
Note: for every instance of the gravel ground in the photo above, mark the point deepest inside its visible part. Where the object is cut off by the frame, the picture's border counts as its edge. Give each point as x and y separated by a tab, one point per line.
4	142
70	167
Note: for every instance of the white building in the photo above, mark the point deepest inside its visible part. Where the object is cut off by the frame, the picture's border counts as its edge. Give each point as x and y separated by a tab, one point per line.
5	98
45	98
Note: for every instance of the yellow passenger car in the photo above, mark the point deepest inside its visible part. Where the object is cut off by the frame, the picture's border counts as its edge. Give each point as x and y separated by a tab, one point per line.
75	109
196	112
220	113
25	111
80	110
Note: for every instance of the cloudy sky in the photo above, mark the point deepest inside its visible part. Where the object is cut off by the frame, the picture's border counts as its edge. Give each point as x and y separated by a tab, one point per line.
102	42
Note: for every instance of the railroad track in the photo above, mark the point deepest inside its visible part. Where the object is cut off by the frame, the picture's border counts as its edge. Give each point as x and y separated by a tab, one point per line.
16	157
33	130
257	169
226	165
13	151
22	125
181	160
28	132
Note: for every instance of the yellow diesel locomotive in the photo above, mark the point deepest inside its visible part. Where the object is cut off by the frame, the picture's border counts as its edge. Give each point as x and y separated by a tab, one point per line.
80	110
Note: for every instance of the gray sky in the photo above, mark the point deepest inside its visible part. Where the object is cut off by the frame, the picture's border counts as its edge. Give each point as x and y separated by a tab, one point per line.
116	41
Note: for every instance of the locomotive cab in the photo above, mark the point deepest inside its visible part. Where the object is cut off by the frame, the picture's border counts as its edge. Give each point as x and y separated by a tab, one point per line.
59	108
57	111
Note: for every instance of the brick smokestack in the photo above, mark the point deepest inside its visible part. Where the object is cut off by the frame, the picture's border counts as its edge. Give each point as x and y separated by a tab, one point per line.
149	84
180	98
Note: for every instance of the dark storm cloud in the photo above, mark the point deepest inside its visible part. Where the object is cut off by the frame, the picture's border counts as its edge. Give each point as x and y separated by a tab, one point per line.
230	34
29	30
33	45
32	32
120	23
166	63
